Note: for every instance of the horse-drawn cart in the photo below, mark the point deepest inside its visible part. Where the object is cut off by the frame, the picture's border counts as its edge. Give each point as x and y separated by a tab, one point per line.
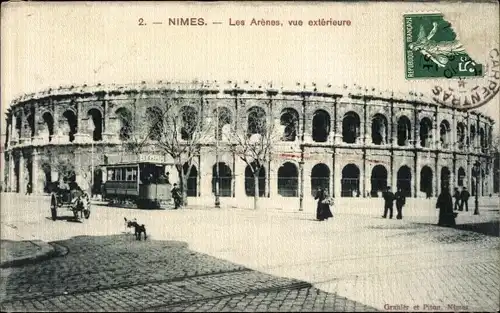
76	201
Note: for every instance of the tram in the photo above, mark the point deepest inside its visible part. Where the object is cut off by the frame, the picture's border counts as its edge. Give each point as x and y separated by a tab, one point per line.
142	184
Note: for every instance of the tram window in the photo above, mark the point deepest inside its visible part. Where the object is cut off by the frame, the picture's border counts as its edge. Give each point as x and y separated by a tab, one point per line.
118	174
129	174
111	174
124	174
134	174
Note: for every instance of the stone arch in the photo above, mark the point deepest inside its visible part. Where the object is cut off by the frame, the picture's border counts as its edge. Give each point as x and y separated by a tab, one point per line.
97	120
289	120
445	133
192	180
461	134
225	120
250	182
48	120
320	178
225	179
350	181
320	126
288	180
425	131
461	177
256	121
154	118
404	130
482	139
472	135
404	180
71	119
378	180
125	119
30	121
445	177
351	127
426	180
380	128
189	122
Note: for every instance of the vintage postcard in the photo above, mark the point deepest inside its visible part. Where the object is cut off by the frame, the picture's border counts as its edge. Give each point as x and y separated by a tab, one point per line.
250	156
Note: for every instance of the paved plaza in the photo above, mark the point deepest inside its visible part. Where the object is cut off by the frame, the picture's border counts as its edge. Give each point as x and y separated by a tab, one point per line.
236	259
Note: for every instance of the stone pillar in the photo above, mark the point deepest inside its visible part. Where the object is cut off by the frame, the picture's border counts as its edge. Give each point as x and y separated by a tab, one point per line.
394	175
418	167
338	178
239	179
37	174
338	133
365	134
12	172
272	184
22	174
434	144
417	134
206	180
301	185
367	181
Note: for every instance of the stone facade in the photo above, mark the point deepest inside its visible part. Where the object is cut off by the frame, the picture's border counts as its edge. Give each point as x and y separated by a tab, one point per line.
353	142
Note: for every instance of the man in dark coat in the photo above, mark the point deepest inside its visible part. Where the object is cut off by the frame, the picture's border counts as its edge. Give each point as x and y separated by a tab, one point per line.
176	194
456	196
445	205
388	202
464	197
400	202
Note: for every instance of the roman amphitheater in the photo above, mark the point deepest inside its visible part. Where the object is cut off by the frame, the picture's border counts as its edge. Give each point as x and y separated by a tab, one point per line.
351	140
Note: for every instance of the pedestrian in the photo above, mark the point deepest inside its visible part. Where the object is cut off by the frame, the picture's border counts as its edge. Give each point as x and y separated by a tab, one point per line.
388	202
445	205
28	188
323	208
176	196
400	202
456	196
464	197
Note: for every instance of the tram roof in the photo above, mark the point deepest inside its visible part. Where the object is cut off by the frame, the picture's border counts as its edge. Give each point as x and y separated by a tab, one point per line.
121	164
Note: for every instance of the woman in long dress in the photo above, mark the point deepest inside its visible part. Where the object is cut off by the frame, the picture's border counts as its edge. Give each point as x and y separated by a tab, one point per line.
323	208
445	205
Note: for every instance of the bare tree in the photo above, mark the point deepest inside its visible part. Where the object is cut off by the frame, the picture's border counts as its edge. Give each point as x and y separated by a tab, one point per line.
253	142
175	129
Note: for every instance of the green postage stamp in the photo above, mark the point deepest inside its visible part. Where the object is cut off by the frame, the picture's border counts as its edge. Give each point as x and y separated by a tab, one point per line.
432	49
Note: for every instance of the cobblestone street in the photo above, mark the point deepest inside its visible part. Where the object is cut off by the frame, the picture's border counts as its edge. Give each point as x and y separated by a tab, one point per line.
245	260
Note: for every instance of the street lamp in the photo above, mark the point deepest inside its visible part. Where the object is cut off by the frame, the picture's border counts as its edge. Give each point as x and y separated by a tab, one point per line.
477	174
217	197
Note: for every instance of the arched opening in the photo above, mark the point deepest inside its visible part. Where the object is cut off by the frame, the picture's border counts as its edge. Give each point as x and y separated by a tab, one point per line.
404	180
225	119
288	180
154	116
473	136
378	180
425	132
461	177
72	123
225	179
350	181
19	123
404	131
482	139
350	127
31	121
379	129
320	126
461	135
16	174
256	121
289	121
445	178
426	181
96	117
444	134
29	169
320	178
125	118
192	180
49	121
250	183
189	117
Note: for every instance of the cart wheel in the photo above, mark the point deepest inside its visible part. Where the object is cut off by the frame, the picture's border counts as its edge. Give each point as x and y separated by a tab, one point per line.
86	213
53	207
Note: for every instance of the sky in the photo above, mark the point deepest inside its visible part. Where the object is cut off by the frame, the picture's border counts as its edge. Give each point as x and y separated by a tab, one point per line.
47	45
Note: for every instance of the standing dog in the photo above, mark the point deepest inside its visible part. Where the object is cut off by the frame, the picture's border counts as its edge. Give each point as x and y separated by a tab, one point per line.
138	229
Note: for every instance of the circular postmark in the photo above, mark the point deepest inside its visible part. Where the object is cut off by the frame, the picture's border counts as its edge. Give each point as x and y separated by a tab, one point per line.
471	93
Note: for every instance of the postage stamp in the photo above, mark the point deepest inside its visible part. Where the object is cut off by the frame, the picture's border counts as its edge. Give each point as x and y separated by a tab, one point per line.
433	51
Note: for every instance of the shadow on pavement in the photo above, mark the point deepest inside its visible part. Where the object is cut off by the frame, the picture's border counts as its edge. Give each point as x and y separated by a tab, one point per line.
119	273
486	228
65	218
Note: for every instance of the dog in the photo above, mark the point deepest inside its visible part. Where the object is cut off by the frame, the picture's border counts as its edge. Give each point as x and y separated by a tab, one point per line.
138	229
